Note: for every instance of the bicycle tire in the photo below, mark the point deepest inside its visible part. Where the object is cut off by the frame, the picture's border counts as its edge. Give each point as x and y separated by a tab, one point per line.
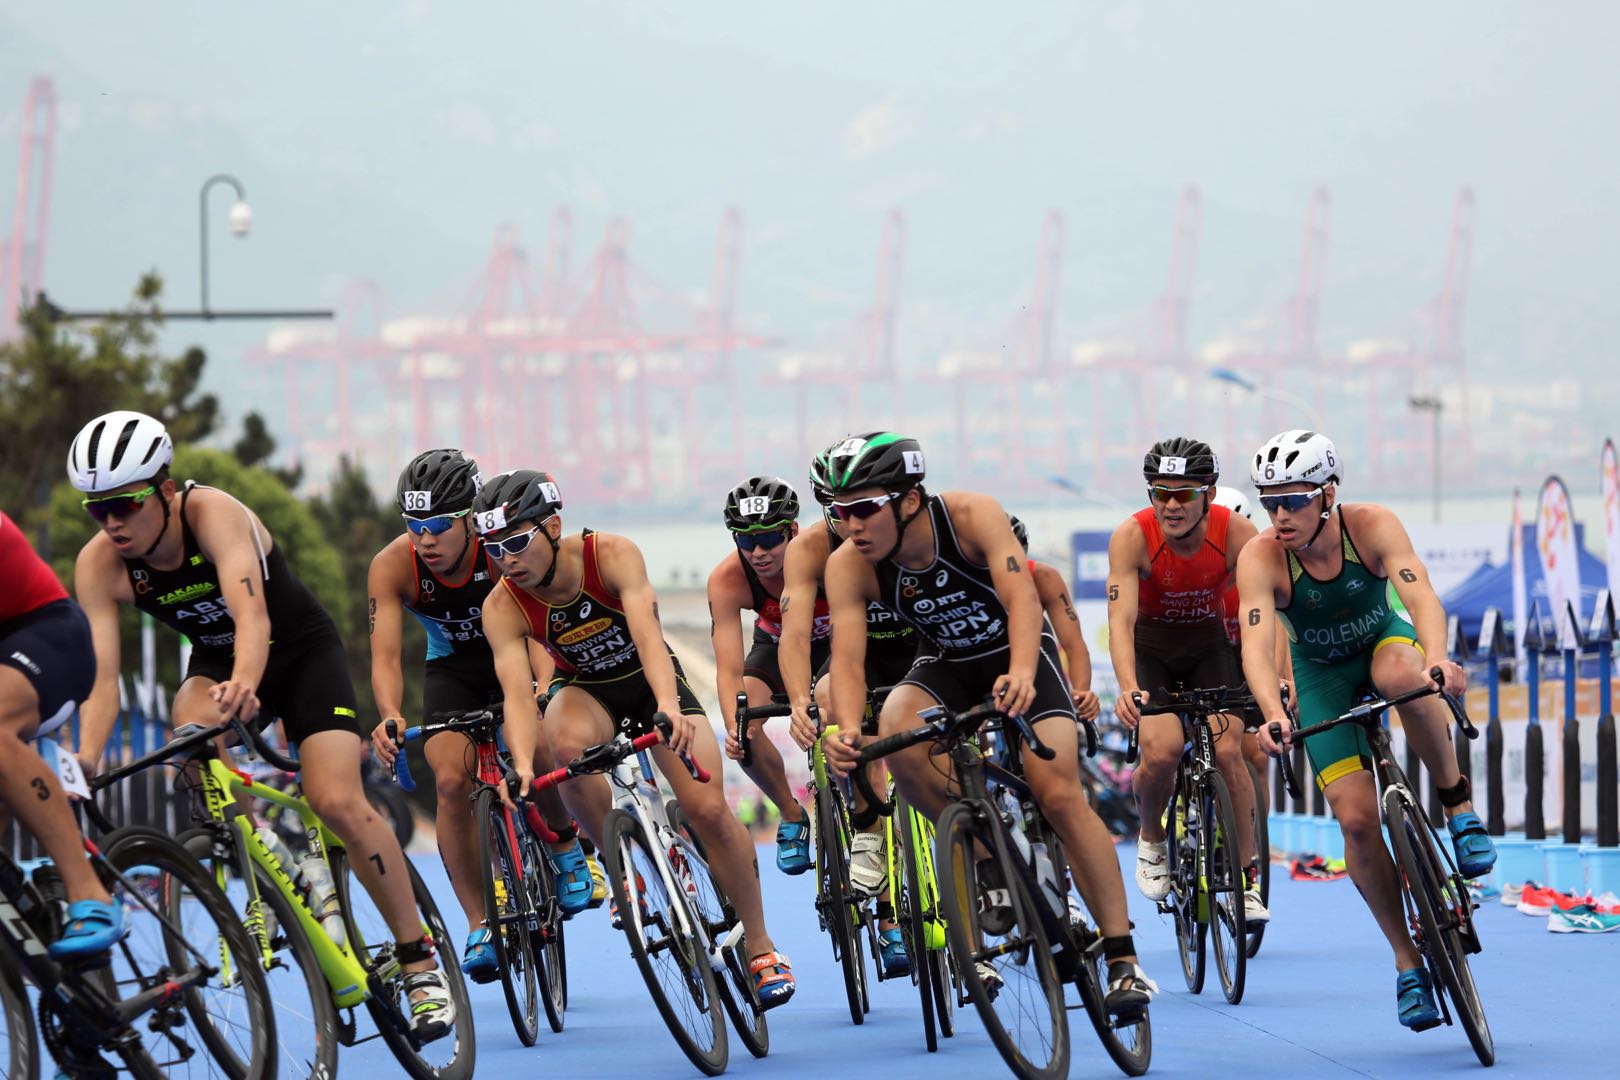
1223	877
21	1038
964	828
395	807
139	847
911	908
941	968
1420	867
1129	1045
627	851
547	941
507	907
370	939
1182	855
286	936
1262	849
833	898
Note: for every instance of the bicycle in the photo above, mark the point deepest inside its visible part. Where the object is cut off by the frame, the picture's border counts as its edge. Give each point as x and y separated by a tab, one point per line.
1022	947
1439	908
683	930
1252	721
154	996
331	971
520	888
1207	879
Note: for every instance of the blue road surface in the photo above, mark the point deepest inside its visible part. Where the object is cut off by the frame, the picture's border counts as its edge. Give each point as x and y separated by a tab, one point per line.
1320	1002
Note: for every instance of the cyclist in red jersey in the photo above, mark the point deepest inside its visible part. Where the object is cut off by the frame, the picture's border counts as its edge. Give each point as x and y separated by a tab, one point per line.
1169	567
47	666
1234	500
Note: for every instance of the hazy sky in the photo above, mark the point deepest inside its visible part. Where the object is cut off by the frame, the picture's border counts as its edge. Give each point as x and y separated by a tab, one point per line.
388	142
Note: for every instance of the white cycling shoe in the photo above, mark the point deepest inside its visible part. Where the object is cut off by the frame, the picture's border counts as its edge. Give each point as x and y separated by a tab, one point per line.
1254	912
1153	869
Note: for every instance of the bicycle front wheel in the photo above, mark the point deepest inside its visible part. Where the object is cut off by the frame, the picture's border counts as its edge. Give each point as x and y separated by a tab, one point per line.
1223	885
507	909
19	1042
922	921
1262	847
1182	828
1001	947
547	944
198	943
450	1057
671	958
1443	908
840	916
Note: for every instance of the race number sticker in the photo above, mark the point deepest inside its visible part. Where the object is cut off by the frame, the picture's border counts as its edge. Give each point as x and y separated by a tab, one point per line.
1173	466
849	448
549	490
418	501
478	482
490	520
754	506
914	462
66	767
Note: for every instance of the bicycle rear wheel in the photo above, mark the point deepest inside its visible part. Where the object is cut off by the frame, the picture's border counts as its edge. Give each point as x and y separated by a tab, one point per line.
671	960
1222	881
1182	829
19	1042
451	1057
1440	900
507	910
839	915
547	944
1001	947
917	907
306	1024
228	1009
1262	848
1129	1044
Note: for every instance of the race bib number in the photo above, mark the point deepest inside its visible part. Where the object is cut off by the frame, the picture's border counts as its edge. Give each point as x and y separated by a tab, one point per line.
754	506
478	482
549	490
418	501
914	462
1173	466
849	448
491	520
66	767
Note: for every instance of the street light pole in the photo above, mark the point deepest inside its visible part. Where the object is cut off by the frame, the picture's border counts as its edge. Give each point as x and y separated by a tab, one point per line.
1284	397
1431	404
241	218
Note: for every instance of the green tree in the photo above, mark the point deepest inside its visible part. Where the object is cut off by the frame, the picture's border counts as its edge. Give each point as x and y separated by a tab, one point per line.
257	445
54	378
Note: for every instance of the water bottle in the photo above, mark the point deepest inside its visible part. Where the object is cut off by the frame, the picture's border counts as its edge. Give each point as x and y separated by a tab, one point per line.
1013	815
278	848
1046	878
315	878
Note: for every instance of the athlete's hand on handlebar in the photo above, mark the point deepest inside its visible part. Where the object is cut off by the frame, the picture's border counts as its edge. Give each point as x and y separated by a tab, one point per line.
1014	693
843	750
684	729
803	728
734	749
1453	679
385	748
1277	733
1126	709
525	777
1086	705
235	698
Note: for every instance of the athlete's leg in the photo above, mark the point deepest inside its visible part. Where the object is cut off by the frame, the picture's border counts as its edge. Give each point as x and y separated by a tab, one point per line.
31	791
1158	754
452	758
1354	799
920	778
1396	669
574	720
1229	759
1256	756
766	768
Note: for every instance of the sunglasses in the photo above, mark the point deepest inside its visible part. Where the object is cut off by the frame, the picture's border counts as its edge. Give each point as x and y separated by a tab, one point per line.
434	525
121	505
1299	500
1161	494
860	508
512	545
765	541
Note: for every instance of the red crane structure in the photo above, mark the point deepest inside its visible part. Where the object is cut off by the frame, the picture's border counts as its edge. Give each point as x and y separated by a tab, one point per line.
1427	356
22	254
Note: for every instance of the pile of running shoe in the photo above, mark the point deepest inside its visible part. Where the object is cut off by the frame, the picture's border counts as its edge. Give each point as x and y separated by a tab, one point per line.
1565	913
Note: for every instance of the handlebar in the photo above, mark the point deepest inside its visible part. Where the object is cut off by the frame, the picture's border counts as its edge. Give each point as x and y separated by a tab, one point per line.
747	713
605	756
942	725
1366	714
187	737
476	723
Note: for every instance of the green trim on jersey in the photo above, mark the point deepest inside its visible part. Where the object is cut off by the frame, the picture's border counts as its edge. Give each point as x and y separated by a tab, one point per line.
1329	621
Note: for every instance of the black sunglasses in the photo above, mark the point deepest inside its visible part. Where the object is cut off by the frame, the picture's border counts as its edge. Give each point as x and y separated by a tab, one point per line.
1294	502
766	541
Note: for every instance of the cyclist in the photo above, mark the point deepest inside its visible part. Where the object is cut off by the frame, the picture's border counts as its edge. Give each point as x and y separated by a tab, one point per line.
587	600
47	665
204	564
951	567
1235	501
1065	623
891	646
762	513
439	571
1169	566
1335	598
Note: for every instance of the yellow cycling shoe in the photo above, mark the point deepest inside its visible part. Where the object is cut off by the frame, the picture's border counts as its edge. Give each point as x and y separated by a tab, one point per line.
599	889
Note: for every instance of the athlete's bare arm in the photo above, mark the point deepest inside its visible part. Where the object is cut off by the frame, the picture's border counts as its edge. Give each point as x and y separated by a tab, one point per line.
728	596
100	585
851	586
624	570
388	585
987	536
1066	625
802	568
231	537
1127	557
1386	546
508	632
1262	570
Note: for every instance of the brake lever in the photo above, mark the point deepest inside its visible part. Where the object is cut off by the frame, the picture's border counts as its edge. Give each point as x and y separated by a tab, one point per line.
1133	744
1027	730
1290	781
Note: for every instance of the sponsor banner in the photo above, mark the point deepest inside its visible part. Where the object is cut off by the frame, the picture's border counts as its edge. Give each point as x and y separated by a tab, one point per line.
1560	563
1089	564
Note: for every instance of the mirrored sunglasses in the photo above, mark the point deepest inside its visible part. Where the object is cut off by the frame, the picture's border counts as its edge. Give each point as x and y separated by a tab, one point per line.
121	505
434	525
860	508
512	545
766	541
1161	494
1295	502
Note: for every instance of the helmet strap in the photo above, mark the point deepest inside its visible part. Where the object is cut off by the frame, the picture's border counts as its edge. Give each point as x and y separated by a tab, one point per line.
552	571
161	532
466	547
900	523
1204	513
1327	512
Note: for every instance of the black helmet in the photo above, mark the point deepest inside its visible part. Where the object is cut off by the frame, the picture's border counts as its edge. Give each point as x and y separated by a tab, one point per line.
513	497
1020	531
877	459
438	482
1182	458
761	503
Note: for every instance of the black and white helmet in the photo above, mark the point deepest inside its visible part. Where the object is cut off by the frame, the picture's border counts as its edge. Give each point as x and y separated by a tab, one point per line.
1181	457
513	497
437	482
1297	457
761	503
118	448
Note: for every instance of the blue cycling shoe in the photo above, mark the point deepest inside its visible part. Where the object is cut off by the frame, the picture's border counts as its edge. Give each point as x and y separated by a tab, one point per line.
479	959
892	952
92	927
573	875
1475	852
793	845
1414	1000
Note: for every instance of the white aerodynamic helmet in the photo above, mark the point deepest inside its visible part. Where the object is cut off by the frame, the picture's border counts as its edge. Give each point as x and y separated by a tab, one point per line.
118	448
1295	457
1234	500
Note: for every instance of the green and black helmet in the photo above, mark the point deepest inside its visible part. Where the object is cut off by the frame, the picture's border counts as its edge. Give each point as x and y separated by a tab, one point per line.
761	504
880	459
